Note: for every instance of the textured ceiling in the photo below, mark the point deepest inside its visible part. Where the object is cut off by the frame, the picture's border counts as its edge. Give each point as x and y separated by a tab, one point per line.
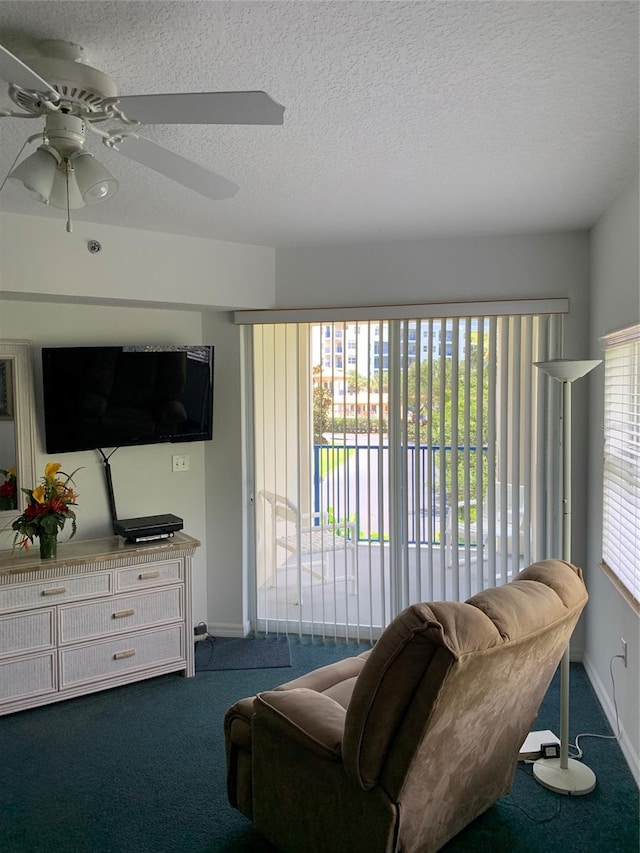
402	121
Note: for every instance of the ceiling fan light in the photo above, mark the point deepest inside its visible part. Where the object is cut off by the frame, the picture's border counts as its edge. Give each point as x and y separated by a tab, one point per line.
58	197
37	173
95	183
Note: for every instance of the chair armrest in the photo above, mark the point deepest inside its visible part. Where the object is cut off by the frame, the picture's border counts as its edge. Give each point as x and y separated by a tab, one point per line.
310	718
308	517
458	506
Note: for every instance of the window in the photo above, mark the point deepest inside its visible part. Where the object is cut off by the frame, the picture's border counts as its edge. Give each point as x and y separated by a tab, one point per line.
621	481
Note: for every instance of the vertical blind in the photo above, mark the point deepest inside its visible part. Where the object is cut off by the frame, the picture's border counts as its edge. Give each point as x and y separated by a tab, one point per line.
621	480
395	461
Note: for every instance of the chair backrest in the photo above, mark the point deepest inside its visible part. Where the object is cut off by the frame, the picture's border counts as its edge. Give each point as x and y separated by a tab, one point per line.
515	534
281	507
451	683
509	503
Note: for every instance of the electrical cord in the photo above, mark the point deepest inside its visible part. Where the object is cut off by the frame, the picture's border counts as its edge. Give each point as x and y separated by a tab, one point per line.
205	637
523	766
576	744
529	816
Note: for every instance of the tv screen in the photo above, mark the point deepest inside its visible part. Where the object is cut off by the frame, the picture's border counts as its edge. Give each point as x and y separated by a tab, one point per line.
97	397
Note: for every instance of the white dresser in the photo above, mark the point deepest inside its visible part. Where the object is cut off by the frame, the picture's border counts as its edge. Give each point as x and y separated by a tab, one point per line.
103	613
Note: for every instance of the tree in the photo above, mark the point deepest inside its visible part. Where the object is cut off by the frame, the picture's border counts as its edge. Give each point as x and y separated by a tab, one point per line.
430	418
436	425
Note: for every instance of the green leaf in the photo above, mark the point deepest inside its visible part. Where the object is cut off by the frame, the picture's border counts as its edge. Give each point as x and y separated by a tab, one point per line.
49	524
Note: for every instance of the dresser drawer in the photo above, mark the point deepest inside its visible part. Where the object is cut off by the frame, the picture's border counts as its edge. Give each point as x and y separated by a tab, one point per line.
119	614
42	593
110	658
27	632
30	676
149	574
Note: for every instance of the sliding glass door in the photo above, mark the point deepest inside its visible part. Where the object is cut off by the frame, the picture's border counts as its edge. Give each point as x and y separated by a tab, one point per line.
394	461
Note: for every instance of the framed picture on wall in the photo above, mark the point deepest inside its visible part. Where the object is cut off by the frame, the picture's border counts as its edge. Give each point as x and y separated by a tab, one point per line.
6	390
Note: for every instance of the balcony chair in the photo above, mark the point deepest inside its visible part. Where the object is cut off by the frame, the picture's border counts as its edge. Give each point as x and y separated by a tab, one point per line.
400	748
311	542
456	531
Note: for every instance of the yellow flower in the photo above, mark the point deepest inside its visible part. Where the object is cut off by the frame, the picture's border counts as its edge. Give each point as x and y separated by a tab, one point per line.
39	494
11	472
51	469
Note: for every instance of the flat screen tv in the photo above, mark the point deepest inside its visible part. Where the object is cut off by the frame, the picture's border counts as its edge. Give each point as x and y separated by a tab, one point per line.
107	396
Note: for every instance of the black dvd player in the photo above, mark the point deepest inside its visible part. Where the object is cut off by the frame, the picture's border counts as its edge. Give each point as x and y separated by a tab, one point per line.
149	528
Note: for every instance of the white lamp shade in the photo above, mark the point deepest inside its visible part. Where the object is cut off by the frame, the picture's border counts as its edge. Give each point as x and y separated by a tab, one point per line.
58	197
566	369
37	173
95	183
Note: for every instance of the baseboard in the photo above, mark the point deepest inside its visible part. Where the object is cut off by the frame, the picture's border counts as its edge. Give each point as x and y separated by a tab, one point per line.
607	706
228	629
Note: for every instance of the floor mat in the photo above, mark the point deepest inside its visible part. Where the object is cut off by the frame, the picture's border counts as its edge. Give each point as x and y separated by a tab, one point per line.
216	653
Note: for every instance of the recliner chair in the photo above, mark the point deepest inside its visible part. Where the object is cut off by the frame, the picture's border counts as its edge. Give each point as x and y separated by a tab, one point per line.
400	748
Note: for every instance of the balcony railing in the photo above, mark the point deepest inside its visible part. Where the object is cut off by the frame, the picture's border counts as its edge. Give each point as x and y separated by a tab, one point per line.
351	483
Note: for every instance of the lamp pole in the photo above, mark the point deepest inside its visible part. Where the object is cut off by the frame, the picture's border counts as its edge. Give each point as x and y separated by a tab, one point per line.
565	775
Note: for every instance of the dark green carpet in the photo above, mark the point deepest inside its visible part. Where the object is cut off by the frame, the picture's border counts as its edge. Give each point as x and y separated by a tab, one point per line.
141	768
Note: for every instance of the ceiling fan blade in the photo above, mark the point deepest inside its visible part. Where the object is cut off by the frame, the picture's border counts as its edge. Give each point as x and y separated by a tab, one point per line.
203	108
13	70
177	168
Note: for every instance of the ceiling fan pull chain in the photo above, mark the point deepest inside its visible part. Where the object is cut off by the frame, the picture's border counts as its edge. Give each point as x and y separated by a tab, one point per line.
67	166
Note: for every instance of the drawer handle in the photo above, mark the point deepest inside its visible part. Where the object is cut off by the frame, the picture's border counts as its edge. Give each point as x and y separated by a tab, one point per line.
121	614
145	576
56	590
128	654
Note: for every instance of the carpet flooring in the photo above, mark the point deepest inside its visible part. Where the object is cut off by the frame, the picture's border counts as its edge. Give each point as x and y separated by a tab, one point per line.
141	768
218	653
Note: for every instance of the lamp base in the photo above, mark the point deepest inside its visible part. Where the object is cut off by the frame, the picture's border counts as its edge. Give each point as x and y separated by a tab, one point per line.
576	779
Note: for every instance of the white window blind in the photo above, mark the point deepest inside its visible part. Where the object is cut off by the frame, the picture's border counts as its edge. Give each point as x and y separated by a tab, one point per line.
621	486
417	473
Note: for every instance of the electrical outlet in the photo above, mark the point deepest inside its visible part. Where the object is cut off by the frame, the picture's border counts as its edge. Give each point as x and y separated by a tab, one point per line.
623	643
179	463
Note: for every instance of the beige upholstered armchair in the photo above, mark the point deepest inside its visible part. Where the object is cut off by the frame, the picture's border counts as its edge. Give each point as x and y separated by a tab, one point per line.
400	748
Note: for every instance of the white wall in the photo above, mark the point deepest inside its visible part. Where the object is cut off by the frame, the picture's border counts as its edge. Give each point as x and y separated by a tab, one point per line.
438	270
615	303
227	602
38	258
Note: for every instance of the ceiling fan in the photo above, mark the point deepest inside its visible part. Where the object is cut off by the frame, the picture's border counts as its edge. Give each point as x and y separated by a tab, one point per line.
74	98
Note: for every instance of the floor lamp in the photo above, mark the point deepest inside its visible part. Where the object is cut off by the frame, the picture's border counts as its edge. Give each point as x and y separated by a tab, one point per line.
565	775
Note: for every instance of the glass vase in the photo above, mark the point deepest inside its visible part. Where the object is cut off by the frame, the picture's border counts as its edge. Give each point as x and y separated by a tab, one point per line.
48	546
